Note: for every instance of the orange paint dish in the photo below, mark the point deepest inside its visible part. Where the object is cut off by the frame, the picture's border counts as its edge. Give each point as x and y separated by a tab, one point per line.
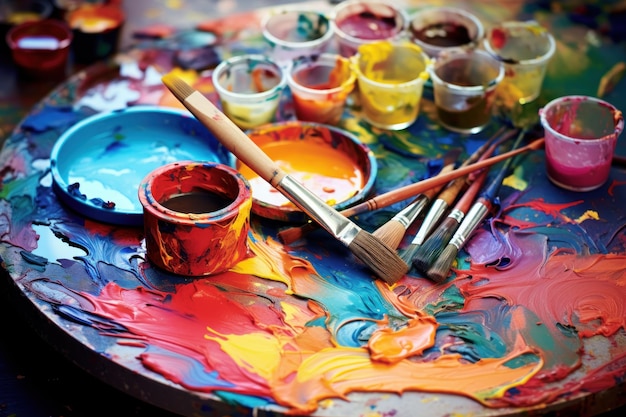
327	160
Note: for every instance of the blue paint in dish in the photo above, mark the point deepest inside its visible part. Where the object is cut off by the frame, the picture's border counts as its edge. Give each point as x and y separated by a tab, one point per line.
98	164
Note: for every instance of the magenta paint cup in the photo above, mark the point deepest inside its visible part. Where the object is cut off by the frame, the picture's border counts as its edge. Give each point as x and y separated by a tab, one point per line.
436	29
196	217
580	137
358	22
40	48
292	33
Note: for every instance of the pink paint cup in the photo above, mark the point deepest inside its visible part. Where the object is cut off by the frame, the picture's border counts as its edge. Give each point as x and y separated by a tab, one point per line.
580	137
196	217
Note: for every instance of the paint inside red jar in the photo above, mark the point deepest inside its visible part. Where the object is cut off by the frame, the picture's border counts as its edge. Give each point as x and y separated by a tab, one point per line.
200	201
368	25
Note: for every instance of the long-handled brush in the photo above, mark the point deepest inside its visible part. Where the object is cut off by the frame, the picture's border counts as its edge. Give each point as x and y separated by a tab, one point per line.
449	194
381	259
433	246
394	229
292	234
295	233
440	269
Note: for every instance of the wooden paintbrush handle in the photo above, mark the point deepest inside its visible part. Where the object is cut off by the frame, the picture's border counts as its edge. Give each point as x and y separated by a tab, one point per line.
452	190
411	190
234	139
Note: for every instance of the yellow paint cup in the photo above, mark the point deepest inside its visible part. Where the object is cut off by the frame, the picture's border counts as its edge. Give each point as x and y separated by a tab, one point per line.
391	79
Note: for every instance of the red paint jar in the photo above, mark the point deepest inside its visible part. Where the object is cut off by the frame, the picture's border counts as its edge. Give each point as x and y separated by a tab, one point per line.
196	217
40	48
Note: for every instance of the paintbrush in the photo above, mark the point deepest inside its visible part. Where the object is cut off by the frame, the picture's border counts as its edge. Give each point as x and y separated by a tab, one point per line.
476	214
290	235
449	195
381	259
432	247
394	229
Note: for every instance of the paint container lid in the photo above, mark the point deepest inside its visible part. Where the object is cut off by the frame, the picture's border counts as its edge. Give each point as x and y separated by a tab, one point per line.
98	164
329	161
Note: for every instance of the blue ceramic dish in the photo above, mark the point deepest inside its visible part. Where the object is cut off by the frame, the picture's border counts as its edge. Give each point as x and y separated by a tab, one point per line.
98	164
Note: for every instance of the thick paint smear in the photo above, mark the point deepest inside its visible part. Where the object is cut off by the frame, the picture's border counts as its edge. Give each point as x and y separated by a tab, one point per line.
283	337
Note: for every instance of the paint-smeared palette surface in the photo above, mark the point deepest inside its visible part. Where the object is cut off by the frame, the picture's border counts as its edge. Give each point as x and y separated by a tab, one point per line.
98	164
530	320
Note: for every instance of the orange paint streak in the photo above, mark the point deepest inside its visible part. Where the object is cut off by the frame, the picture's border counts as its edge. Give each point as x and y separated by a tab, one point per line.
391	346
335	372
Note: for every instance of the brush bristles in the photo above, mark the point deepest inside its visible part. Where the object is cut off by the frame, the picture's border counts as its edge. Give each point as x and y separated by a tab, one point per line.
432	248
380	258
391	233
441	267
407	254
178	87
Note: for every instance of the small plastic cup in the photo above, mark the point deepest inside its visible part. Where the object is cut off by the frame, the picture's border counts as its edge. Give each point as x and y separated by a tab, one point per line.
464	82
294	33
196	217
390	78
580	137
249	87
436	29
356	22
320	85
40	48
97	29
526	49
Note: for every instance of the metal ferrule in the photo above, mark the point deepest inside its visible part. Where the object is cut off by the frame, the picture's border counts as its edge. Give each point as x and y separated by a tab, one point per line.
457	215
477	214
327	217
408	214
430	221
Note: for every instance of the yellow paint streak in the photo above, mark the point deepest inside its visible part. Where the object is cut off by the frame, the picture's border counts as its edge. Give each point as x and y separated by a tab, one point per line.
257	353
516	180
589	214
270	261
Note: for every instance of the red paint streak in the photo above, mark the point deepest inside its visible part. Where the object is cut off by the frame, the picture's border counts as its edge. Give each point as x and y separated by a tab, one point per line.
615	183
550	209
